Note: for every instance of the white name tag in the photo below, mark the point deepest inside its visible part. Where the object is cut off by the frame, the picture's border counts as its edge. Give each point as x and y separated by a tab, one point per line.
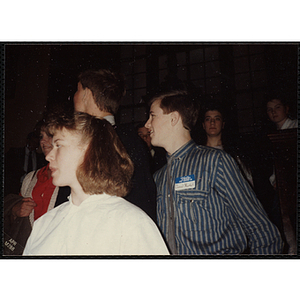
185	182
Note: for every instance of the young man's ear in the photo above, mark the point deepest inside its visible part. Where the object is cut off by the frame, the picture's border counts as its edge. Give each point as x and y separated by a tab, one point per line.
175	116
88	95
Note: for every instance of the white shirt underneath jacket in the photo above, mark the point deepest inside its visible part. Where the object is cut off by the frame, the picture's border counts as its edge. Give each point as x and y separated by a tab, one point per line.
100	225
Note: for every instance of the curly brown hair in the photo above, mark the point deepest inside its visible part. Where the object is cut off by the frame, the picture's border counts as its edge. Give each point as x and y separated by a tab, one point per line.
106	167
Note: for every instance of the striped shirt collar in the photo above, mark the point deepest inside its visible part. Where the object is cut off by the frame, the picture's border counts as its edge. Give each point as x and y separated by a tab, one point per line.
182	151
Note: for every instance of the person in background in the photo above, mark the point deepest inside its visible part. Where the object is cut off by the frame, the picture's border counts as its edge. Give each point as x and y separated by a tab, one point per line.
214	126
213	122
144	135
99	94
157	155
88	156
20	161
37	196
278	113
204	204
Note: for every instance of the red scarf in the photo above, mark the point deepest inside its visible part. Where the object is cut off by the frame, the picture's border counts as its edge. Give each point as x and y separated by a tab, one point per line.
42	192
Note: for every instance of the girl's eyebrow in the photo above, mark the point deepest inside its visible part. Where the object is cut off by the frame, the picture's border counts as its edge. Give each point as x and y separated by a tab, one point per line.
54	141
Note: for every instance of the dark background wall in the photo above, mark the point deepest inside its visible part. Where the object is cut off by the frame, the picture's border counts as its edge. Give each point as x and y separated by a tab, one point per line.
39	75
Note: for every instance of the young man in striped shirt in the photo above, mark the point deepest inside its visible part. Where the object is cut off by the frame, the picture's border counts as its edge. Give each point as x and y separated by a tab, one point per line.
204	205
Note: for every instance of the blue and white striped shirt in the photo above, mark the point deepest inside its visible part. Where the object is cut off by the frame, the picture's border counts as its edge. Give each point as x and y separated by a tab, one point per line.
221	214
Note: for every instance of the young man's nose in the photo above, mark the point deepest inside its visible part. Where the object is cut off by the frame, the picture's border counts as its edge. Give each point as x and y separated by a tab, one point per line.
147	124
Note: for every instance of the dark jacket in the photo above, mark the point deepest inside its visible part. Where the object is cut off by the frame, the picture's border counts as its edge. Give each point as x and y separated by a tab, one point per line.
17	231
143	192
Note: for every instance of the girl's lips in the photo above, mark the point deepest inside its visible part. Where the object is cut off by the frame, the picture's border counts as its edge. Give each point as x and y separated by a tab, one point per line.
52	170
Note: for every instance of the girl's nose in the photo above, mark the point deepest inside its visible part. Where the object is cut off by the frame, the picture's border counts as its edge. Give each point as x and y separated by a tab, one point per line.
49	156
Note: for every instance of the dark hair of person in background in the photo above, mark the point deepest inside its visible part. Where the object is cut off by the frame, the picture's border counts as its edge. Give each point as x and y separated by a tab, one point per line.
108	88
215	106
287	111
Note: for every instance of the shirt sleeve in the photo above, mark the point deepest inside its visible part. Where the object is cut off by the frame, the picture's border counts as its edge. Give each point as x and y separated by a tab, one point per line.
263	236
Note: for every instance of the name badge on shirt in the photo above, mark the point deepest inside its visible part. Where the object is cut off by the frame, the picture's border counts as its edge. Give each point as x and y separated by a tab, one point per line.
185	182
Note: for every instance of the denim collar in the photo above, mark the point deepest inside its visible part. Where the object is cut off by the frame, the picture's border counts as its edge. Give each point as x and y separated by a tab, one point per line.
182	151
